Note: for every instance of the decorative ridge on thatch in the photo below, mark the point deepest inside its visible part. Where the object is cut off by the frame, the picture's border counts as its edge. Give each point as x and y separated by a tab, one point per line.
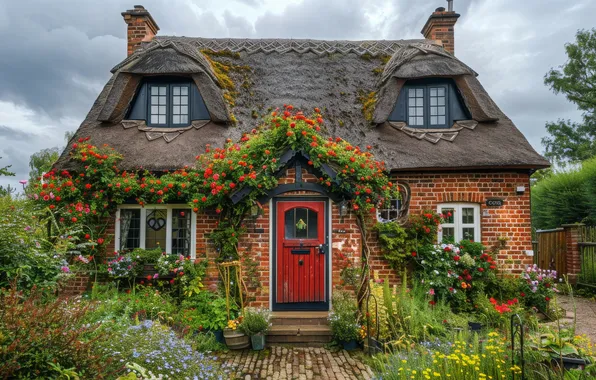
434	135
300	46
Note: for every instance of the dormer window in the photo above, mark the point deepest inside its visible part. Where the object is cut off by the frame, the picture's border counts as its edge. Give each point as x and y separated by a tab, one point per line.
168	103
429	104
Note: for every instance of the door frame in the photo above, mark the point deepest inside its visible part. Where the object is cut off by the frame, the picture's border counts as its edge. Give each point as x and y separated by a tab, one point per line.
302	306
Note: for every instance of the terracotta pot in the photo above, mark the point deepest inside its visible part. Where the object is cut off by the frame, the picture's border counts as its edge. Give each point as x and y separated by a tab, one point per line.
236	340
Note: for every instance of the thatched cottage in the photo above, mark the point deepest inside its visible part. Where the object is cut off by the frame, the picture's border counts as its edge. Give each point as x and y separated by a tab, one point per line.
423	111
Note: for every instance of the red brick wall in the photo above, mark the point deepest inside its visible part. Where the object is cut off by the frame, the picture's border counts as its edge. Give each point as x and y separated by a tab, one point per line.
511	221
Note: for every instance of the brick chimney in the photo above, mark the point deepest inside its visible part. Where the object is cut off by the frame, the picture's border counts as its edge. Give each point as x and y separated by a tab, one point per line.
441	27
141	27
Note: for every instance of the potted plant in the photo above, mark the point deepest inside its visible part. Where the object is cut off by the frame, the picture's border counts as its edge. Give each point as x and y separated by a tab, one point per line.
255	324
235	338
344	320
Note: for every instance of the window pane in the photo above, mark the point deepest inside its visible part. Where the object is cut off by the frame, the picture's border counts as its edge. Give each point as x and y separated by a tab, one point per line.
176	110
433	120
441	110
154	90
412	102
176	119
155	100
155	229
176	100
419	121
433	92
441	101
412	121
448	215
181	231
441	91
301	223
176	90
184	90
448	235
184	119
468	233
433	101
419	102
433	110
184	100
162	119
162	90
162	110
467	215
162	100
184	110
419	93
154	109
154	119
442	120
130	229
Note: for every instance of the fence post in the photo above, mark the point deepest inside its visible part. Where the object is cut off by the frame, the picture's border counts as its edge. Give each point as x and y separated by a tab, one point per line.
572	256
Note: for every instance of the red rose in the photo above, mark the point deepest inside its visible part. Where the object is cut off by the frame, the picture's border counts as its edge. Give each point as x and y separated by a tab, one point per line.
74	219
522	294
414	254
480	269
100	241
546	299
456	258
87	236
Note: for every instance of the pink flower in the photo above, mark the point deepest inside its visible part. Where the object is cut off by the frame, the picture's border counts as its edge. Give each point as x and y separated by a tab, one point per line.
65	269
155	276
431	292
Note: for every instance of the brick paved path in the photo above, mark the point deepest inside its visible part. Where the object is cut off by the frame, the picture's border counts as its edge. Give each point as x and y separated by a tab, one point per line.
302	363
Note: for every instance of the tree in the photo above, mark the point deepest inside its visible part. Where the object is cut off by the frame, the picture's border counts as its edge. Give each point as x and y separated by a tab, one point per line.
571	142
8	190
41	162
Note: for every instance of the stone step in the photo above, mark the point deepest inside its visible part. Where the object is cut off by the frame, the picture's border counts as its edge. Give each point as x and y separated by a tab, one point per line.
299	334
300	318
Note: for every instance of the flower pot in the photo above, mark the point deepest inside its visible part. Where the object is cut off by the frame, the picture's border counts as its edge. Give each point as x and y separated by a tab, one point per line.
236	340
219	336
258	342
350	345
571	363
475	326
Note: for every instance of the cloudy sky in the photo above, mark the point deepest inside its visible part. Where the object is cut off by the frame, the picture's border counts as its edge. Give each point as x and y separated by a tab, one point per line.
56	54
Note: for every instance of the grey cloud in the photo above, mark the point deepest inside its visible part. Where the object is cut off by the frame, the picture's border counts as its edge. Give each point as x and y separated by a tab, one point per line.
12	133
333	19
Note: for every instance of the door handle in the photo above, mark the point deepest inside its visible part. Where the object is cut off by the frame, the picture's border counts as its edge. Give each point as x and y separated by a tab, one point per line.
300	262
322	248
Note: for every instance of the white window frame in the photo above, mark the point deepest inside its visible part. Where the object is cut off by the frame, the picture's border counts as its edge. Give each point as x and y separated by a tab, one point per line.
457	224
168	208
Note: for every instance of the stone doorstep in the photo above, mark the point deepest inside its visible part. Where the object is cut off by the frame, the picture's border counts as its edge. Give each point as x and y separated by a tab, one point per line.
305	334
300	318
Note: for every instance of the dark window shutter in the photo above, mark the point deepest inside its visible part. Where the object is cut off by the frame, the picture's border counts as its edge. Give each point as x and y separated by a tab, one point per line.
138	110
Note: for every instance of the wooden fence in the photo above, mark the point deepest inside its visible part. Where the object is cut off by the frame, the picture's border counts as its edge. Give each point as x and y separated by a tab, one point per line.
550	249
587	254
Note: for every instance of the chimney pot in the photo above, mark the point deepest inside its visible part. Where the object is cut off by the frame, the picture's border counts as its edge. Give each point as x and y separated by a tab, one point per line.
440	26
141	27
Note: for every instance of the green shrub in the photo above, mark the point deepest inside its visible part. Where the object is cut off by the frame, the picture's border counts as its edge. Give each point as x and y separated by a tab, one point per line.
205	311
255	321
26	257
344	317
40	337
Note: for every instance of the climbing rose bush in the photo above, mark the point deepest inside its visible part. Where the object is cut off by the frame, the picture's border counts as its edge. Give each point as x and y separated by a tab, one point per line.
82	199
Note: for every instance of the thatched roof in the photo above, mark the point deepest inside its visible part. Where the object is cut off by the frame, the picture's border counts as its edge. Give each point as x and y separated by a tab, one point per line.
354	83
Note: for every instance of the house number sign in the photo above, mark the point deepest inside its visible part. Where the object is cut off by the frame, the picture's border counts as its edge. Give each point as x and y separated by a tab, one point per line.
495	202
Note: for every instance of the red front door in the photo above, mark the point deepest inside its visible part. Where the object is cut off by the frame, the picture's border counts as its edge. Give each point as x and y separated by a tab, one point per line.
301	255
